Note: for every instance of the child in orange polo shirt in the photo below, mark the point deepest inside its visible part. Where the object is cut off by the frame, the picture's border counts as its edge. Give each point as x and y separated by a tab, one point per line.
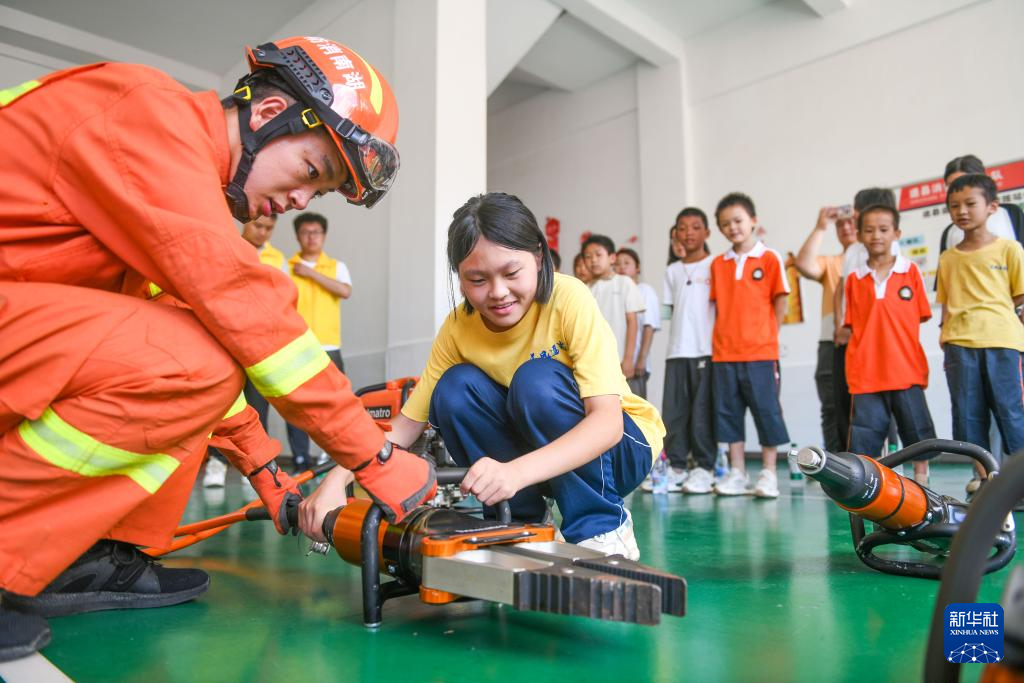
885	364
749	287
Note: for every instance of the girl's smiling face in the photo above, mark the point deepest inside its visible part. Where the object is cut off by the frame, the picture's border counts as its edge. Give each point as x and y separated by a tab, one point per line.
499	282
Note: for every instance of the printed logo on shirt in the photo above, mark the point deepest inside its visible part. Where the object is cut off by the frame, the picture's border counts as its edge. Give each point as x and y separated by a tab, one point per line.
549	353
758	274
999	266
906	293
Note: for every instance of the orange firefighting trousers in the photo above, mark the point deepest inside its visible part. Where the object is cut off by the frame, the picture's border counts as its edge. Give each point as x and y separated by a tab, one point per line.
106	410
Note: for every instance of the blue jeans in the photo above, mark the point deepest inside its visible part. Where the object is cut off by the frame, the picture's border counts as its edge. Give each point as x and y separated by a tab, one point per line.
477	417
298	440
984	381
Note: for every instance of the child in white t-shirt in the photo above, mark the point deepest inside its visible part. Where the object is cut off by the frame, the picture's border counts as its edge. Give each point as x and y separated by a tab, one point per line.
687	407
618	297
627	263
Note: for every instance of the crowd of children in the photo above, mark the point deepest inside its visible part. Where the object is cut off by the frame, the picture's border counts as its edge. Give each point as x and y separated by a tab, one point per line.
723	315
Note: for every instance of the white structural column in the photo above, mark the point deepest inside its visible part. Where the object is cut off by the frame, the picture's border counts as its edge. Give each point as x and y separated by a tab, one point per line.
440	79
665	184
665	180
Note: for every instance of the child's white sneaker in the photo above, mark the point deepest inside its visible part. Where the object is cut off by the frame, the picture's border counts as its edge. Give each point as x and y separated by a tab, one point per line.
735	483
677	479
767	485
216	473
699	481
619	541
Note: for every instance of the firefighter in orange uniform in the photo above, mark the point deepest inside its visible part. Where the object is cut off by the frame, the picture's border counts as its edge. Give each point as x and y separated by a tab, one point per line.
111	174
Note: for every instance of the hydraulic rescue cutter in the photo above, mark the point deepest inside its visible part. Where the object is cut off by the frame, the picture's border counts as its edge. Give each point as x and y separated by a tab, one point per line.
904	512
445	555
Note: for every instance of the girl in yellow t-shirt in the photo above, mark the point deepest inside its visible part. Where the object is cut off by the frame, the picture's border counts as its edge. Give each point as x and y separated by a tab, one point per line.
524	384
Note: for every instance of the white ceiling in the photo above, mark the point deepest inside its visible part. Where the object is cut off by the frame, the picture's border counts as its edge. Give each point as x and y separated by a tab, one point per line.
537	45
206	35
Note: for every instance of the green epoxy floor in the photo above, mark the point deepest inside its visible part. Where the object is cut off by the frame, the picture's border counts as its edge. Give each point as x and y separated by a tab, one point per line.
775	594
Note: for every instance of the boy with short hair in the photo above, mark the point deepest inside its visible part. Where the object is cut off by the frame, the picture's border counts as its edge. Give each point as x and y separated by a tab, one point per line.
749	288
617	296
981	289
687	408
885	365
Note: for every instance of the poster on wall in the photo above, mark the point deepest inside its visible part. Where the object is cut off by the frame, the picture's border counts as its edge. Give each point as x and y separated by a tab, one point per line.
923	216
794	303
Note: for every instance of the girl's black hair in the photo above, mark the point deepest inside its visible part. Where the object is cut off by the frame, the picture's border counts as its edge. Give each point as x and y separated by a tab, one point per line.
503	219
968	163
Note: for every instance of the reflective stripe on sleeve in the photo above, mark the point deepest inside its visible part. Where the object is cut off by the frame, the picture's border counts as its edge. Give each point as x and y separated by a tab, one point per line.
236	407
287	369
8	95
70	449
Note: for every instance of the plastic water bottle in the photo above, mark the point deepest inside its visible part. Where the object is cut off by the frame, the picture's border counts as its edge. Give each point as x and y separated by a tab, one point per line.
659	475
722	461
794	470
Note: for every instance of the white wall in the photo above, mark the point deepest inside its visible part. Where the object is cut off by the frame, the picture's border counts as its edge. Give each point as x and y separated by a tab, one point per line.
885	112
572	156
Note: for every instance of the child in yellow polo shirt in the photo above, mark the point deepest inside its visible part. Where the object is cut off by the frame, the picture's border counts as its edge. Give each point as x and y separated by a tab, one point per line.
981	287
525	387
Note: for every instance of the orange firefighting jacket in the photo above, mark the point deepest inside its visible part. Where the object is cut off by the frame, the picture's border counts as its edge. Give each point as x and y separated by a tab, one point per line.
113	174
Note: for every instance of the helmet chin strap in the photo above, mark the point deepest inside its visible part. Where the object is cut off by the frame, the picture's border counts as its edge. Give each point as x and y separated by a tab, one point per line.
288	122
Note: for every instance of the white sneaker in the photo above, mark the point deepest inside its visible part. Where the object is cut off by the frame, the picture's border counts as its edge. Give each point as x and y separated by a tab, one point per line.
619	541
767	485
646	486
676	479
216	472
735	483
321	459
699	481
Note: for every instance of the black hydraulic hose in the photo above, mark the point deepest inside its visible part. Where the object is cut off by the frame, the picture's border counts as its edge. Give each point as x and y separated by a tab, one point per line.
966	563
938	446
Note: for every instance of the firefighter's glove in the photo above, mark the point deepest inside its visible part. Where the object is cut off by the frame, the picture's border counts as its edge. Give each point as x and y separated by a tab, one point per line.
397	481
279	494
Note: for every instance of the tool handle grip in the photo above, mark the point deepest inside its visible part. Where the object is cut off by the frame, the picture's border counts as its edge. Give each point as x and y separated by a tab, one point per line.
446	475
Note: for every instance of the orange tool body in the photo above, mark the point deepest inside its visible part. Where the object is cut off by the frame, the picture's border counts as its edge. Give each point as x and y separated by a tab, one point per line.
906	512
445	555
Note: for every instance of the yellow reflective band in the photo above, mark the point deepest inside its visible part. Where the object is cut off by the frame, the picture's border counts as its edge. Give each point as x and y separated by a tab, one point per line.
10	94
286	370
376	91
236	407
154	290
68	448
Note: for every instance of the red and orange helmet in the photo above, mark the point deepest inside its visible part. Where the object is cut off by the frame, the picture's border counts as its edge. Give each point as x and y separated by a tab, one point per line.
343	93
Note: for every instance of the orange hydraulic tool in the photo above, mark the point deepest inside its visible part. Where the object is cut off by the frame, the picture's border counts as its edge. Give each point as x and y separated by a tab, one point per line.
445	555
383	401
906	512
